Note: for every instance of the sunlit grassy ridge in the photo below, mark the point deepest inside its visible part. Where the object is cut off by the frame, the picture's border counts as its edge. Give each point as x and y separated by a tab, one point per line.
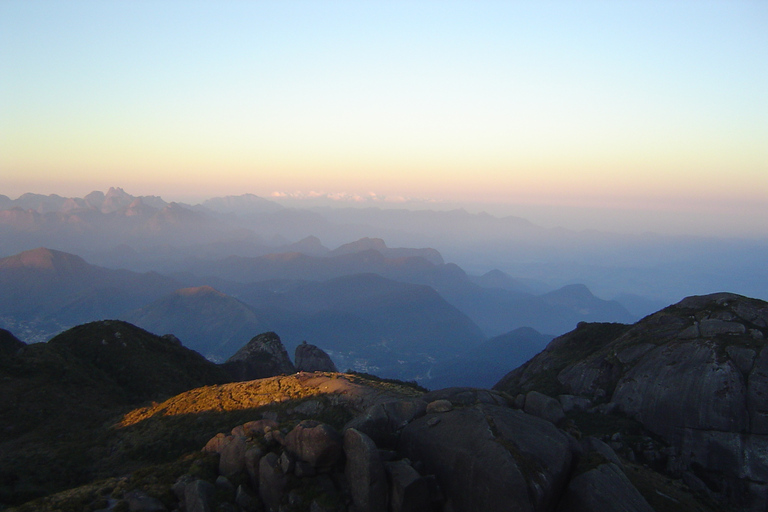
159	442
354	390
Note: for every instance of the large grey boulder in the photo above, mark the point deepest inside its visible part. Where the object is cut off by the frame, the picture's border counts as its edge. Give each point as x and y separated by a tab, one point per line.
409	491
384	421
310	358
272	482
544	407
139	501
684	385
199	496
232	456
604	488
317	443
491	458
264	356
365	473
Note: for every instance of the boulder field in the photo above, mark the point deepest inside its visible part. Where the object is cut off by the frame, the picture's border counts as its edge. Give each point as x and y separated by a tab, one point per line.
458	449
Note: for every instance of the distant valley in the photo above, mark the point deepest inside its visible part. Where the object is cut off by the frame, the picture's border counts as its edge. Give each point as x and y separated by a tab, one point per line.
382	317
143	233
217	273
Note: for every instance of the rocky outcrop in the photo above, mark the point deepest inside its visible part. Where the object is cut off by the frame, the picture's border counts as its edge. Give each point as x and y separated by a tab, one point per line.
695	374
487	457
455	450
263	356
310	358
452	450
315	443
605	488
365	472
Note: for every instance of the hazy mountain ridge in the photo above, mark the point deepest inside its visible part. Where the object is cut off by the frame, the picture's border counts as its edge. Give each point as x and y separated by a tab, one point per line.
659	269
393	316
48	290
207	320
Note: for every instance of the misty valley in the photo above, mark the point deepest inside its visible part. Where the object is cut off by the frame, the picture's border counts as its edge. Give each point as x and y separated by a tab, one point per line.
145	350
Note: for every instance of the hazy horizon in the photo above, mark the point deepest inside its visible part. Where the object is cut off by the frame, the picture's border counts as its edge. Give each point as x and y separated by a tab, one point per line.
626	116
627	220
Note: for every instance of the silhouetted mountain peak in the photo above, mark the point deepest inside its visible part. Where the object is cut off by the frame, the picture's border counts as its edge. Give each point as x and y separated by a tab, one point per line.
144	364
116	192
498	279
311	246
45	259
174	213
115	199
364	244
263	356
570	292
139	207
95	199
310	358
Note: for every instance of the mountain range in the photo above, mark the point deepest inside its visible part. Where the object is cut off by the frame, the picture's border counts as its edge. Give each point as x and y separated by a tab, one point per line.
660	415
143	233
395	316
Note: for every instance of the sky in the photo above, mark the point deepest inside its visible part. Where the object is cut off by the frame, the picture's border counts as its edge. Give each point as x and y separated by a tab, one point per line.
633	115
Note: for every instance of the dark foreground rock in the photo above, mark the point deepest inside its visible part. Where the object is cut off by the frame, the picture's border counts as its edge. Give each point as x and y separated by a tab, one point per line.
486	457
695	375
464	450
604	488
264	356
310	358
452	450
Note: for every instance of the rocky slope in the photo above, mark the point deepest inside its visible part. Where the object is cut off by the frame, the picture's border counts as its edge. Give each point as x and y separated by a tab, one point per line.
336	442
693	374
327	441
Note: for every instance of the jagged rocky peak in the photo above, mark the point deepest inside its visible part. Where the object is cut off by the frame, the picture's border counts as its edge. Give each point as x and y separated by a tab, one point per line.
310	358
694	373
263	356
115	199
95	199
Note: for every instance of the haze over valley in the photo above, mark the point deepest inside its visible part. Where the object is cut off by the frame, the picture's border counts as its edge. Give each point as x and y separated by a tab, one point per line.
217	273
329	256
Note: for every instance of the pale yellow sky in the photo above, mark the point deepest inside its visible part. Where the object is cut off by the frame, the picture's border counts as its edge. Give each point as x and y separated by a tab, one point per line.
654	105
